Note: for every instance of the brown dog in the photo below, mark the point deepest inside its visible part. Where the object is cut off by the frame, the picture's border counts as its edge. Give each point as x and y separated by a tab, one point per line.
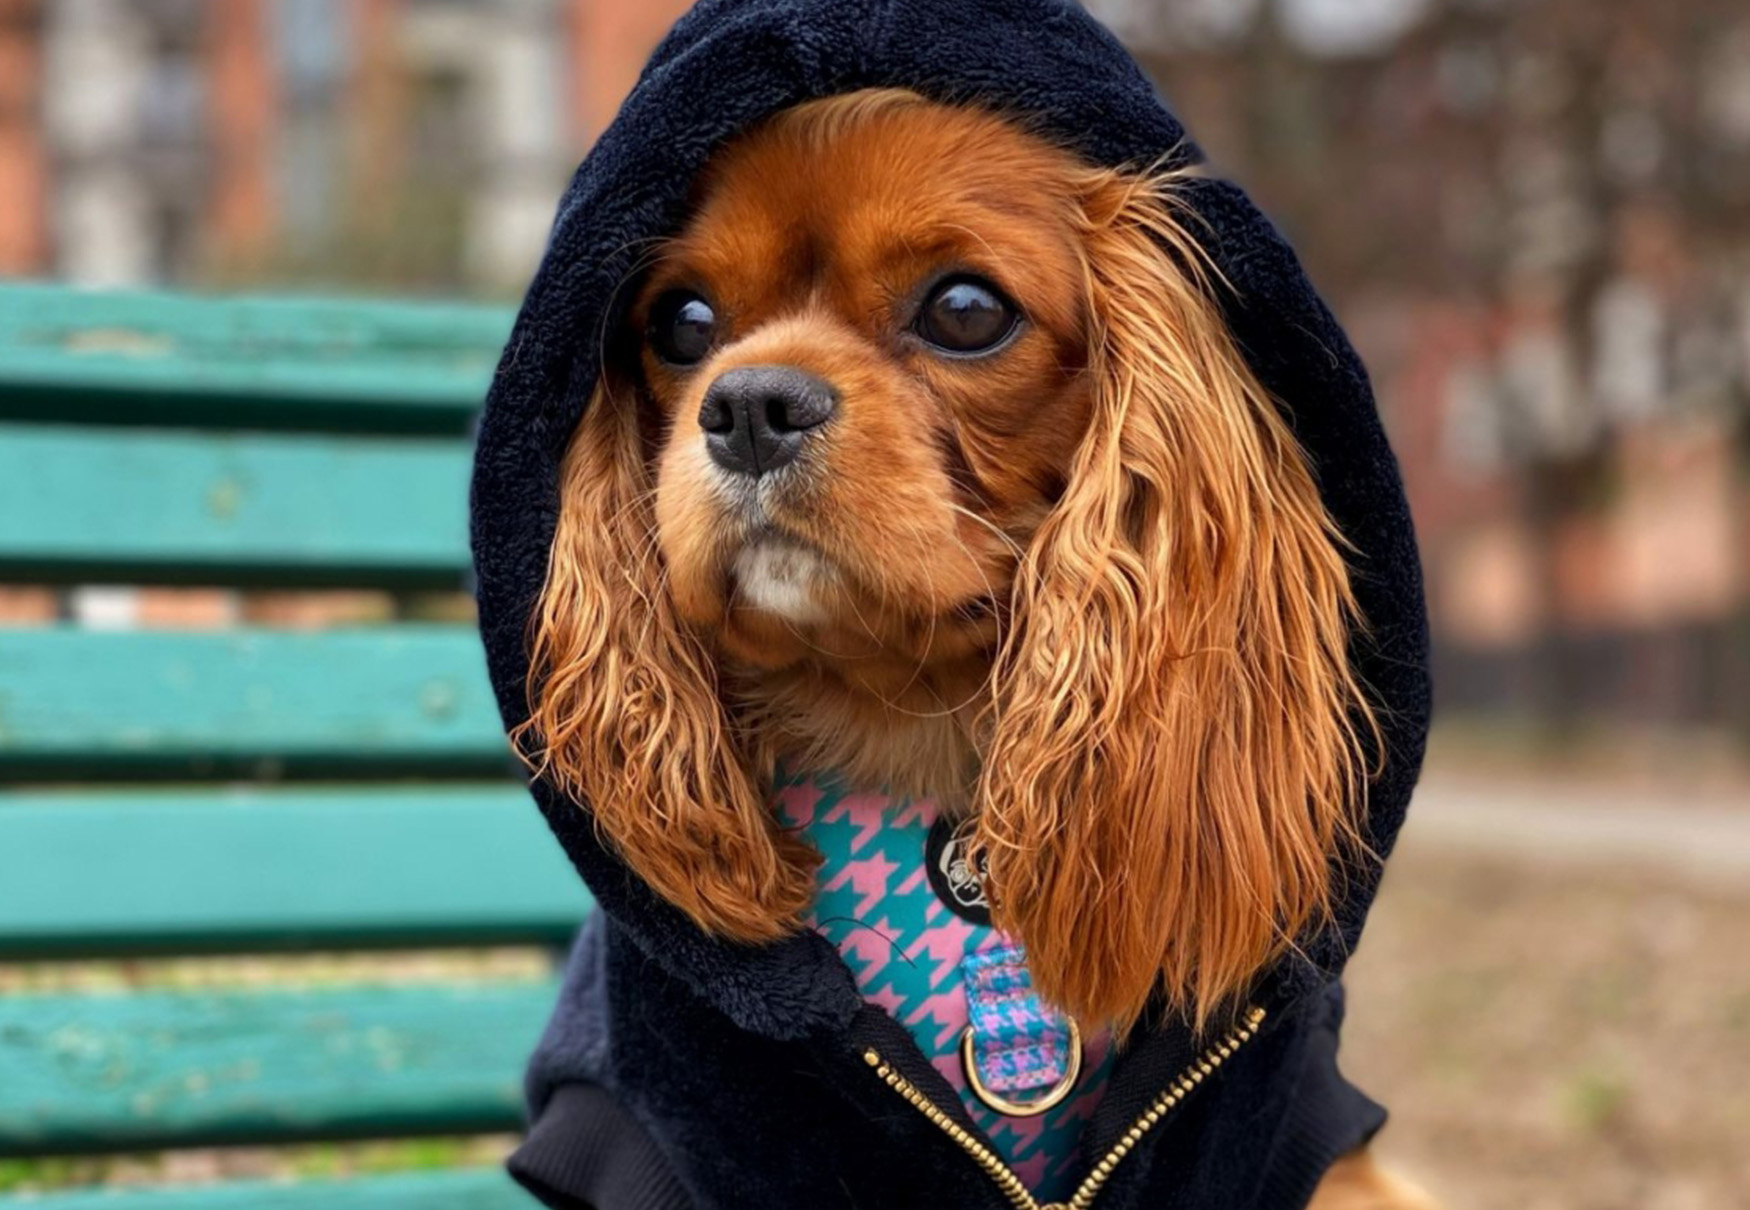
963	489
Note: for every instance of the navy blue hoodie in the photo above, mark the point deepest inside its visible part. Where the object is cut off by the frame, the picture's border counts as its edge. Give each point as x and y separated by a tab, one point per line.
682	1071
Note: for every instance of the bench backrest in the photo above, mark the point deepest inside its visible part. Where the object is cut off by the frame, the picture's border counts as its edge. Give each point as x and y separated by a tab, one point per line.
255	788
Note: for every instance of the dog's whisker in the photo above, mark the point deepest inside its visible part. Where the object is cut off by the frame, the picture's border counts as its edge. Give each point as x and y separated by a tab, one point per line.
930	579
996	531
851	600
655	255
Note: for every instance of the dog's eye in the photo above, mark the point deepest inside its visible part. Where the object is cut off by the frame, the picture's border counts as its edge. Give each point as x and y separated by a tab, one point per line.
683	327
966	315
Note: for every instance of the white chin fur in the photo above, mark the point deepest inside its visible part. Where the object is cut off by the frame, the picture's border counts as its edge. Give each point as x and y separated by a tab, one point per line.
779	578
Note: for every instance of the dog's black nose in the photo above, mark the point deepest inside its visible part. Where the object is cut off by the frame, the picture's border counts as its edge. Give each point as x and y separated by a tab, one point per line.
757	417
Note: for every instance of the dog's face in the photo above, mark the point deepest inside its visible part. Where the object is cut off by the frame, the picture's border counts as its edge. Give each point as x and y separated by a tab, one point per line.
927	456
866	352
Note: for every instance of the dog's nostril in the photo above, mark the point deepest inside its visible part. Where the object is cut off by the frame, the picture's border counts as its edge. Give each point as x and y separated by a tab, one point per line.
715	415
778	416
809	404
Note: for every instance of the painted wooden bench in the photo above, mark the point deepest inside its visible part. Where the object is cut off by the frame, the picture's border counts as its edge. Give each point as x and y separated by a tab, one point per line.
244	791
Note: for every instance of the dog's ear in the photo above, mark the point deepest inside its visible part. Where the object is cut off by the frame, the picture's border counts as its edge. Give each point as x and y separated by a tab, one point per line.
1175	749
625	713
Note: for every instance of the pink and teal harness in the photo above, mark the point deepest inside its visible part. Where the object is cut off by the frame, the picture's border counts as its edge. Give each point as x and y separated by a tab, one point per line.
899	899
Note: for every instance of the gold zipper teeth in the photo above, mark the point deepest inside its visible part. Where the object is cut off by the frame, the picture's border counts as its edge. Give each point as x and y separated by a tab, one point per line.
1011	1184
1194	1075
1005	1177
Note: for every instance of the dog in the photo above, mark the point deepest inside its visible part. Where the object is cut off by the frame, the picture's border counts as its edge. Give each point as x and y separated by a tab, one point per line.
926	456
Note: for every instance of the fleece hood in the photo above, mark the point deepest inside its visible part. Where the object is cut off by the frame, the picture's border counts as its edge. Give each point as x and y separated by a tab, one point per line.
727	65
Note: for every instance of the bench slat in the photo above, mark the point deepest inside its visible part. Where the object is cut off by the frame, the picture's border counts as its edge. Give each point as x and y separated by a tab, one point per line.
181	871
156	358
93	1073
466	1189
84	702
112	506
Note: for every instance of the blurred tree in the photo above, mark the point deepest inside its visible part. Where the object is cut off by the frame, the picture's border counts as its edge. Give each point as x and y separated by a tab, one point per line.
1579	172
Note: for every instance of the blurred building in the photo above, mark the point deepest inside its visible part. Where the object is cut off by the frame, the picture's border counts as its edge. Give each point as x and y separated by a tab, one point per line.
406	144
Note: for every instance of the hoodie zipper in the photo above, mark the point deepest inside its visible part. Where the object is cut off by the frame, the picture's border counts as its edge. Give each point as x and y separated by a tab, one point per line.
1012	1186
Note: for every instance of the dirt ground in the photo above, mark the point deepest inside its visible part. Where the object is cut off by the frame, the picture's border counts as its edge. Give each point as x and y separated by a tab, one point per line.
1557	1038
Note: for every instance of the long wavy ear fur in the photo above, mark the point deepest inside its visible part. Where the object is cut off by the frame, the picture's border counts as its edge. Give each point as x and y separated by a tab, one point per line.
625	712
1174	755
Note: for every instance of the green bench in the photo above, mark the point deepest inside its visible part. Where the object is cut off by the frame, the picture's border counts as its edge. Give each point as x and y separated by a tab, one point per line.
250	790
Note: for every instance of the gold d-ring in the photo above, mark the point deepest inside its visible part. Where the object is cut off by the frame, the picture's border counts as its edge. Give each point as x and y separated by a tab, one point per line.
1023	1109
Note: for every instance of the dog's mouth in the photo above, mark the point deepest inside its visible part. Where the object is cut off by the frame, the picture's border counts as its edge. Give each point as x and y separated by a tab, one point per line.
781	576
834	565
790	579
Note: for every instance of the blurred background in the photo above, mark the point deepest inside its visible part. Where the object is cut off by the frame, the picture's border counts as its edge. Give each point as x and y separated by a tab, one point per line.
1534	218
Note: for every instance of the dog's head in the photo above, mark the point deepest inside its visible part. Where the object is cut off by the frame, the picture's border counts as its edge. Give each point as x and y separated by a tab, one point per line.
926	454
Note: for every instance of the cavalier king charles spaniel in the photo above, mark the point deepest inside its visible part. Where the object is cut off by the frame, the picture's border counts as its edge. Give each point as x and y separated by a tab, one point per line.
928	458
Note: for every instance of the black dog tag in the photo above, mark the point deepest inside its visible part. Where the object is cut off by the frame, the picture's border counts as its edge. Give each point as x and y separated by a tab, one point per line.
948	859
